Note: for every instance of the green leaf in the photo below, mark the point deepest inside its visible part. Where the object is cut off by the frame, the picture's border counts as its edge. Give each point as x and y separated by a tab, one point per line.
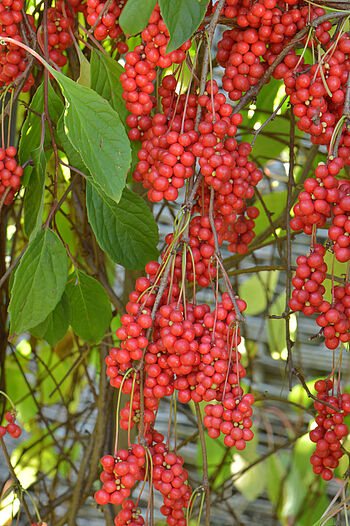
33	205
182	18
75	159
105	80
89	306
31	132
73	155
54	328
303	450
95	131
127	231
314	507
134	16
276	328
39	282
257	290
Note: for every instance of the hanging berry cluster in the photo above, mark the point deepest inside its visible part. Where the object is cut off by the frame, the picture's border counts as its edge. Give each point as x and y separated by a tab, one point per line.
330	428
13	60
11	427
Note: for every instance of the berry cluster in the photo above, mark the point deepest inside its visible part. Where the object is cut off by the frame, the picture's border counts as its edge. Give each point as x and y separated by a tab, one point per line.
231	418
319	198
166	473
335	318
191	350
330	428
13	61
120	473
318	95
308	291
59	24
170	479
166	159
129	515
11	428
10	173
107	25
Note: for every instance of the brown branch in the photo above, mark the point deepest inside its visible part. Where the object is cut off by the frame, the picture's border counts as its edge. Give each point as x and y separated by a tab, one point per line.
253	270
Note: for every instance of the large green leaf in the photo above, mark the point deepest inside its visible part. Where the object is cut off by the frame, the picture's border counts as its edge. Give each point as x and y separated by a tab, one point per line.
182	18
55	326
105	80
39	281
31	132
95	131
76	160
134	16
90	308
127	231
33	205
74	157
